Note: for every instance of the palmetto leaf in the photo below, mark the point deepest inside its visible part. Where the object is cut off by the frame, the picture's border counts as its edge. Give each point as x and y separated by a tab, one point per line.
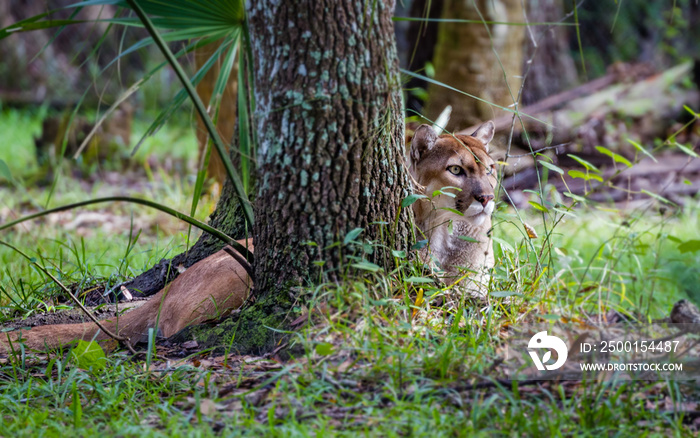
195	18
182	14
181	96
199	106
207	38
178	20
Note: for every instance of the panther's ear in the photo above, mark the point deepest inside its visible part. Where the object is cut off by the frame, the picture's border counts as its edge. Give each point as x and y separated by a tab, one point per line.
484	133
423	140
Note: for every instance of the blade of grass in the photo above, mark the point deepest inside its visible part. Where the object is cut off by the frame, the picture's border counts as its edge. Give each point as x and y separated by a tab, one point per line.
442	84
190	220
244	140
179	99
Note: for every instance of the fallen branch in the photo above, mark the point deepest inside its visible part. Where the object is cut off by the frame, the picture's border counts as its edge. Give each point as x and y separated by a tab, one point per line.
624	93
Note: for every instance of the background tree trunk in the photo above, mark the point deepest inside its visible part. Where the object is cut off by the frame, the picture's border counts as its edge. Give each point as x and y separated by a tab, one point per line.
465	60
330	128
421	38
552	68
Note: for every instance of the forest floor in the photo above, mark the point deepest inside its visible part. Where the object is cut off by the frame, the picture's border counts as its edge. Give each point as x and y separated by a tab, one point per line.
370	357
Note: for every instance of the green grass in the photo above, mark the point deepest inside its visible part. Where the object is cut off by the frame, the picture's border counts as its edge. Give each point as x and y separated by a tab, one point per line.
303	403
630	258
362	366
18	131
175	143
92	244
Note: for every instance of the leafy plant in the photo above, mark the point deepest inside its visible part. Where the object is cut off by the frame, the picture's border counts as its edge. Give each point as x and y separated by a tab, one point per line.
378	355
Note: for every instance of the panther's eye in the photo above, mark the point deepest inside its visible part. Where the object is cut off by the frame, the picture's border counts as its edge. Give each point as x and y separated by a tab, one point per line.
455	170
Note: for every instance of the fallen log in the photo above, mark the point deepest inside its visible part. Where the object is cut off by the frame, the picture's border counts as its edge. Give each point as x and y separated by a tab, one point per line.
652	101
672	176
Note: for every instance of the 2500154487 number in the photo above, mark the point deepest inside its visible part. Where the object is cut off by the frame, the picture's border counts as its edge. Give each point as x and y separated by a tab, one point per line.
638	346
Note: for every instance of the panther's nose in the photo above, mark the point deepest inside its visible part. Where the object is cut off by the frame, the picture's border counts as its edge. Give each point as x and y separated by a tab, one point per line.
483	199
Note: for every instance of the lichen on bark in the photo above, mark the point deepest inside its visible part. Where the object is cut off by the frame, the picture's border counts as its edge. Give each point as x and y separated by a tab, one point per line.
330	124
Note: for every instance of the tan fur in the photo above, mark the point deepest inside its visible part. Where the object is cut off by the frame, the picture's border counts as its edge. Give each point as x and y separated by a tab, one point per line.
204	291
431	158
219	283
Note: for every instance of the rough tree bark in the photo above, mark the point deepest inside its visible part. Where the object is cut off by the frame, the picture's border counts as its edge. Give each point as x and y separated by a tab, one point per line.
330	154
330	124
465	60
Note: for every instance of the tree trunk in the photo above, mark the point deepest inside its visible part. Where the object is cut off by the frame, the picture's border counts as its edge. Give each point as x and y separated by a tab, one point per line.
465	60
422	38
330	128
330	155
552	68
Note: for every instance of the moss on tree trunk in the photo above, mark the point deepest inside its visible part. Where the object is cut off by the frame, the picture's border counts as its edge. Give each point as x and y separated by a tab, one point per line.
329	123
246	331
330	129
330	156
